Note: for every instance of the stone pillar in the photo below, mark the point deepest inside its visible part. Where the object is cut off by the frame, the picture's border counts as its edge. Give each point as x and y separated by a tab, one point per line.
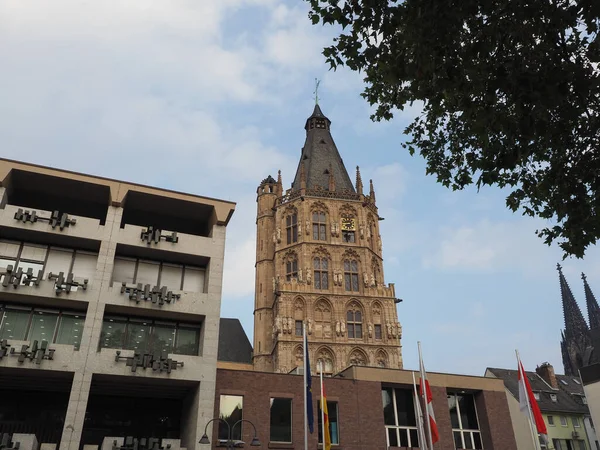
73	427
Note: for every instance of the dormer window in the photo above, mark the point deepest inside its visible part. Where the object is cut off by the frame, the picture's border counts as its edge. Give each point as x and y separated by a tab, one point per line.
536	395
553	397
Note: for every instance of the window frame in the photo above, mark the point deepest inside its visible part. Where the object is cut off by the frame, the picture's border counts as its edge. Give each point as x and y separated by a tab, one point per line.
551	421
291	228
291	401
576	422
221	424
151	336
319	226
377	327
296	330
337	422
321	273
351	278
397	427
353	324
291	269
465	431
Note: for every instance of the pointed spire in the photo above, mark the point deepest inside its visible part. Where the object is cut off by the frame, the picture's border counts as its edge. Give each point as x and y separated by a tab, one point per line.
592	304
575	325
371	191
279	184
331	179
359	185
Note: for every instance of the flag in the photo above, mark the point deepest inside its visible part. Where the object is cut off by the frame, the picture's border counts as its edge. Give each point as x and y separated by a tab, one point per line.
308	379
528	404
326	435
419	417
425	392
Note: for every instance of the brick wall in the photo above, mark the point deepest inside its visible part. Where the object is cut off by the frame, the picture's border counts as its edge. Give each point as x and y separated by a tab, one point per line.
360	418
360	414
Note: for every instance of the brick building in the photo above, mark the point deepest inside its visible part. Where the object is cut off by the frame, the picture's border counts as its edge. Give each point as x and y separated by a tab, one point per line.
370	408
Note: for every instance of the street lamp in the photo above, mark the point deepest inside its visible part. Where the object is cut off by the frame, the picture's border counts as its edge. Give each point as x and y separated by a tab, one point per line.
204	440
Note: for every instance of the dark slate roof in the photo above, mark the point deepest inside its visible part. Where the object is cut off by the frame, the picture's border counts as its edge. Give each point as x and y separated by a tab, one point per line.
568	395
318	154
234	345
590	374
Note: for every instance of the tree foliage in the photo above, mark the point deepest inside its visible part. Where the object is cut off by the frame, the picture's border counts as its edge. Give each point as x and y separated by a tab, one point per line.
511	95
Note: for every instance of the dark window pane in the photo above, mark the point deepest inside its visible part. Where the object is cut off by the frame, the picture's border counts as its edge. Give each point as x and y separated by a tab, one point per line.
347	282
14	324
231	410
350	316
355	282
477	439
324	281
294	219
358	331
315	217
298	328
377	331
317	280
317	263
188	340
403	438
295	266
405	407
288	220
295	234
322	230
388	406
289	235
350	330
393	437
138	336
358	316
467	439
113	333
163	339
414	439
453	411
457	440
315	232
468	416
354	266
42	326
69	330
347	266
324	264
281	420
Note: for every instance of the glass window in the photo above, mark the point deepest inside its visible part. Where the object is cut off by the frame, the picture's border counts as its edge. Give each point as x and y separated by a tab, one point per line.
463	417
138	336
291	268
291	228
70	329
147	273
9	249
170	276
399	417
377	331
84	265
231	410
43	325
354	324
187	341
124	270
298	328
163	338
14	324
58	261
575	422
553	397
563	421
281	420
319	226
33	252
193	280
551	421
348	236
321	266
332	412
351	275
113	333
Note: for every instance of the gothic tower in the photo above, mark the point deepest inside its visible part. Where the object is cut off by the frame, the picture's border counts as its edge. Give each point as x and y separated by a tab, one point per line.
319	262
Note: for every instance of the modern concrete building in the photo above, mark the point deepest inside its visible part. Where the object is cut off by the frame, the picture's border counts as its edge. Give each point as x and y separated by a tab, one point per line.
563	404
110	298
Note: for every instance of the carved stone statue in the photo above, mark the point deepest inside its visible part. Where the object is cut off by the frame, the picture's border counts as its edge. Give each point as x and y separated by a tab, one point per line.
274	237
278	235
361	228
368	232
389	328
308	275
278	324
337	328
300	280
290	324
337	229
274	284
333	228
370	329
399	329
343	328
366	279
310	326
373	283
307	227
299	228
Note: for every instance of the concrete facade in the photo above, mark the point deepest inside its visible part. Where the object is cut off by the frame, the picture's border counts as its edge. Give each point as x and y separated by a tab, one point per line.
111	217
361	421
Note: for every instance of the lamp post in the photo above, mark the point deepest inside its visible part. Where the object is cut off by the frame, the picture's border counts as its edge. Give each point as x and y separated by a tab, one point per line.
204	440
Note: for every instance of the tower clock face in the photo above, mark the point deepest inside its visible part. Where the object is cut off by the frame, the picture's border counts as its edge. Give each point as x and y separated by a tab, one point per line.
348	224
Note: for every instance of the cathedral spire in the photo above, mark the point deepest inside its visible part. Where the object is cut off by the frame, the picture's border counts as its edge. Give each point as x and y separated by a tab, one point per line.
575	324
359	184
321	158
592	305
371	191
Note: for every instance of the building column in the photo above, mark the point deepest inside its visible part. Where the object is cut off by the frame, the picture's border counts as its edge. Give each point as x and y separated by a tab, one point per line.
80	391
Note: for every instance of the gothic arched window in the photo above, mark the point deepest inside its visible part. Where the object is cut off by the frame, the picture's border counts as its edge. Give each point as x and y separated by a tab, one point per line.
291	228
319	222
351	275
321	267
354	322
291	269
322	319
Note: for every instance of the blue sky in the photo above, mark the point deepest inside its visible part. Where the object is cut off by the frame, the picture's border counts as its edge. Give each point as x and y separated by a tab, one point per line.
211	96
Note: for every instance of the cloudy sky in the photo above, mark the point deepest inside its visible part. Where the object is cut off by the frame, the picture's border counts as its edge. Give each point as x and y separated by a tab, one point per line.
210	97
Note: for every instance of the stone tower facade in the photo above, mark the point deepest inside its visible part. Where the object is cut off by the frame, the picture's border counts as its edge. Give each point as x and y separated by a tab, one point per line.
319	262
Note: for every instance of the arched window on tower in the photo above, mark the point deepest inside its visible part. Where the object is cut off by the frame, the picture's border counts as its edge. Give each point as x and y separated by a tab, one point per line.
322	319
321	267
291	228
351	275
319	226
291	269
354	322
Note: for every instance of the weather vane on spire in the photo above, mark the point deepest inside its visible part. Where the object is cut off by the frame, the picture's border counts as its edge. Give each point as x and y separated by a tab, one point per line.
317	83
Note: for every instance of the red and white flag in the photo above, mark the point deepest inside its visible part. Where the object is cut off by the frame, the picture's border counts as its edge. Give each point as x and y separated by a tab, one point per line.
528	403
425	392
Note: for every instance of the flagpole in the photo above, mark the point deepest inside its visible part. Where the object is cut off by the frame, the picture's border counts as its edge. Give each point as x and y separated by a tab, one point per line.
424	395
305	385
322	407
419	414
536	442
